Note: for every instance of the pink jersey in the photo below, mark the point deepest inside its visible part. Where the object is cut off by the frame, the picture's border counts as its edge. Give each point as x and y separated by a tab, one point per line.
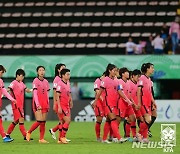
125	88
17	92
64	89
111	89
42	87
97	85
1	87
133	90
146	84
55	82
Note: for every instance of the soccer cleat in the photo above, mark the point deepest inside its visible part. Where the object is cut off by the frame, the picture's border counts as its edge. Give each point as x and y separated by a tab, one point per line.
106	141
68	140
135	139
26	139
145	140
52	134
122	140
7	139
99	139
59	142
129	139
110	138
149	133
139	137
28	136
43	141
8	136
63	140
115	140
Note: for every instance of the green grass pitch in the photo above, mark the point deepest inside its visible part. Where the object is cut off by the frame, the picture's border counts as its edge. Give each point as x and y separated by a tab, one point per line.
83	141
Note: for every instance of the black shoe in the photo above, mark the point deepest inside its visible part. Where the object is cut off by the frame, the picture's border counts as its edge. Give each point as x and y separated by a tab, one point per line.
26	139
149	133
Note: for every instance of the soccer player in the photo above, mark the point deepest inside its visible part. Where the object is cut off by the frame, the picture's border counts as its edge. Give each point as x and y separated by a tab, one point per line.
133	86
63	100
57	78
145	98
124	106
111	89
40	103
99	108
17	88
3	91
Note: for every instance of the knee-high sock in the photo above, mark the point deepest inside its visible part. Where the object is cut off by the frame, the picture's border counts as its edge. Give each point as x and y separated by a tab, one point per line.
152	121
143	129
133	128
128	129
55	128
34	126
60	130
98	129
11	128
107	128
42	129
64	129
22	129
2	133
115	129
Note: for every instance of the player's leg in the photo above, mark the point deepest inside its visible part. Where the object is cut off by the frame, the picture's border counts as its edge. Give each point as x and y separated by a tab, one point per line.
98	127
38	117
11	127
2	133
153	118
107	127
147	121
42	127
22	128
65	127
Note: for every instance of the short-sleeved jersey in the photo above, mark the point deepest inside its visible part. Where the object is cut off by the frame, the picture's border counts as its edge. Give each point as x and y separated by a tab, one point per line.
1	87
55	82
64	89
133	90
42	87
111	89
17	92
146	84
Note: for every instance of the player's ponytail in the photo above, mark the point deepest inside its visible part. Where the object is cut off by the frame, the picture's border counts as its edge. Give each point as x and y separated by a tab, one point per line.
57	67
109	68
145	66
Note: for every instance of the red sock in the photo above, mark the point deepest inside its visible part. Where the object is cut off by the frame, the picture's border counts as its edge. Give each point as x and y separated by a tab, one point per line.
22	129
42	129
133	128
11	128
107	127
64	129
128	129
34	126
115	129
146	130
98	129
60	130
2	129
56	128
143	129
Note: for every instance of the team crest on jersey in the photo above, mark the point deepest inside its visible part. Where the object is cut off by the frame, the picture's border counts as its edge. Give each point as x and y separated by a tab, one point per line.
95	86
55	84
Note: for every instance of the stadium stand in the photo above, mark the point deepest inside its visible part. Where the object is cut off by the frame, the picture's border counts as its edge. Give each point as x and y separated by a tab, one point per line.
79	27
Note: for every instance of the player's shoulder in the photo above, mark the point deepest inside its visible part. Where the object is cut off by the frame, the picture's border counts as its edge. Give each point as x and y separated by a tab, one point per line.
98	80
46	81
